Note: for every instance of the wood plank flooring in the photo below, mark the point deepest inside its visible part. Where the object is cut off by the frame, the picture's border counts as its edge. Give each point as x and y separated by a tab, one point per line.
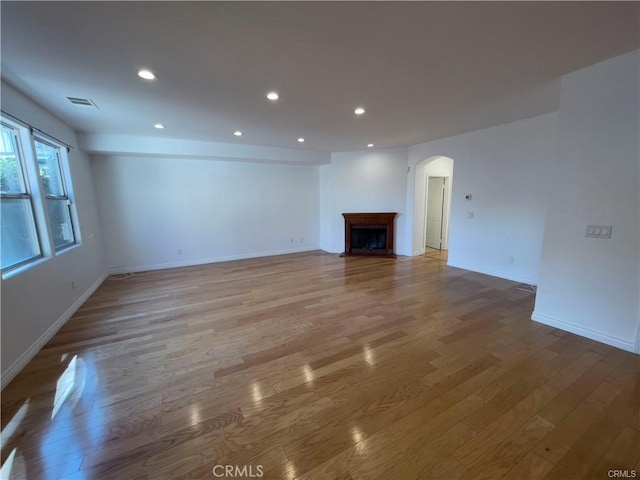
312	366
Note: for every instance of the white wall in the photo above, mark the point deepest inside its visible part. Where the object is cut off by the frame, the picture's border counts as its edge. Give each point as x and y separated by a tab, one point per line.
366	181
506	170
37	302
326	240
210	210
591	286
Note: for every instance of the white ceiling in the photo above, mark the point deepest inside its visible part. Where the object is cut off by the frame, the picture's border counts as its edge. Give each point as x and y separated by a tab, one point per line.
422	70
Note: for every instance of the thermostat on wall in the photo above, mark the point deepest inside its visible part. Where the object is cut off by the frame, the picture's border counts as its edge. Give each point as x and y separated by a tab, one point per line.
467	196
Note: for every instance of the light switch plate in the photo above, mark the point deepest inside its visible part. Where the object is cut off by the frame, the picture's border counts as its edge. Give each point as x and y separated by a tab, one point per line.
599	231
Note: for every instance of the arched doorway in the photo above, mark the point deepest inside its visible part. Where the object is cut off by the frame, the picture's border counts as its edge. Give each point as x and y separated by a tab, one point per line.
436	167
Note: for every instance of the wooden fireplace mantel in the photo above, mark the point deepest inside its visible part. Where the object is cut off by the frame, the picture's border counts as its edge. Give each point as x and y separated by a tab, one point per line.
369	220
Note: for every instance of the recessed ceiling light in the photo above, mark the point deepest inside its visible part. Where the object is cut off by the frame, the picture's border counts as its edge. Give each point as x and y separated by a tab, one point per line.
370	145
301	139
237	133
273	96
159	126
359	111
147	74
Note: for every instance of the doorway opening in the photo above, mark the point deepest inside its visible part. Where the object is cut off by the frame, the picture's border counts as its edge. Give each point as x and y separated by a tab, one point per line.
432	205
435	212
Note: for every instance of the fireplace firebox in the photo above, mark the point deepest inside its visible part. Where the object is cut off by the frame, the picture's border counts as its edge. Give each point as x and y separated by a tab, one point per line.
369	234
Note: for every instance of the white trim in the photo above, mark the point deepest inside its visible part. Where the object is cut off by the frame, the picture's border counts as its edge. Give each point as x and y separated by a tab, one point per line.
333	252
31	352
415	253
583	332
495	273
637	348
23	268
204	261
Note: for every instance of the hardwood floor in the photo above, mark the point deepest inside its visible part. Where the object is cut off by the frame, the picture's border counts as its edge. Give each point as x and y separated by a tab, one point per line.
312	366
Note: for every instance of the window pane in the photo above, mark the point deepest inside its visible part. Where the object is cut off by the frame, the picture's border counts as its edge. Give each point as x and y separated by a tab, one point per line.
49	166
19	237
10	170
60	221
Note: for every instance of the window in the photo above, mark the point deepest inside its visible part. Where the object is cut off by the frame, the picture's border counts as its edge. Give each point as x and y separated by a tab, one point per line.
37	217
20	242
55	194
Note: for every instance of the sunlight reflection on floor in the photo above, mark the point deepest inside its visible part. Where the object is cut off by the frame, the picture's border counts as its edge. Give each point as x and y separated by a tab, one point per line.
13	424
70	385
13	467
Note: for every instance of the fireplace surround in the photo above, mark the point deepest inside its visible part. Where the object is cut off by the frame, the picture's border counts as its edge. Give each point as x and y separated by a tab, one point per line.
369	234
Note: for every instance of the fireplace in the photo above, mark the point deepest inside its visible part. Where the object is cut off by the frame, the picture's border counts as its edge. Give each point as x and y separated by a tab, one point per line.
369	234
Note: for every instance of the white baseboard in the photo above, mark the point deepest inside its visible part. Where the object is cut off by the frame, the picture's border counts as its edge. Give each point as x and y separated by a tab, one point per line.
31	352
204	261
332	252
495	273
583	332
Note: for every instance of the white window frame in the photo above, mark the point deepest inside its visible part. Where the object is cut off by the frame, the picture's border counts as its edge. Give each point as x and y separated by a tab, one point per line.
26	141
62	162
25	195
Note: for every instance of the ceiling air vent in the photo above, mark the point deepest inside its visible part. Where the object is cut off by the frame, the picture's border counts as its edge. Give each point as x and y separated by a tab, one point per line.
83	102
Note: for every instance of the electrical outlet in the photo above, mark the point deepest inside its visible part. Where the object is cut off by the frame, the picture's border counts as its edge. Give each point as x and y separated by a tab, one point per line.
301	239
292	240
470	215
510	260
73	285
179	251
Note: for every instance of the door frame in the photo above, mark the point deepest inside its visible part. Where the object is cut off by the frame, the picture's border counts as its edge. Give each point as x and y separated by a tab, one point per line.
446	211
436	166
443	187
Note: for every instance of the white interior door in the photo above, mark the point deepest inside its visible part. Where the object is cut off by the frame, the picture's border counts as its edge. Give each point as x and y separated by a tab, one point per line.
435	207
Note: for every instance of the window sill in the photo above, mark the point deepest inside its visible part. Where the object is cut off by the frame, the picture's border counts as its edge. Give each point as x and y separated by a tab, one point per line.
66	249
23	268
